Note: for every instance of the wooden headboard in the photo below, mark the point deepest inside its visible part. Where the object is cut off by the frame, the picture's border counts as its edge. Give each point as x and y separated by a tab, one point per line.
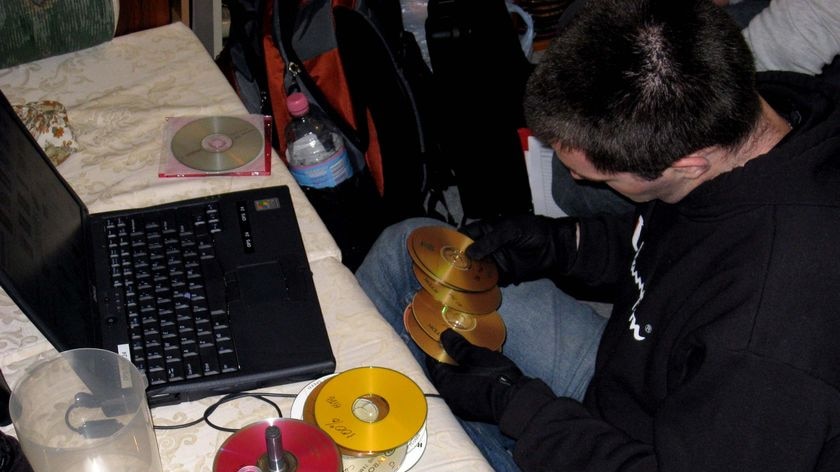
136	15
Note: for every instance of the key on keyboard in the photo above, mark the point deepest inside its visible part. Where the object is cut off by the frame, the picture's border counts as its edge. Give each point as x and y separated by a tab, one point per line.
165	274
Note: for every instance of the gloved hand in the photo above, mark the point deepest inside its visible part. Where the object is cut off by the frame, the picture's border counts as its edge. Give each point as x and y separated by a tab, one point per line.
11	455
526	247
480	387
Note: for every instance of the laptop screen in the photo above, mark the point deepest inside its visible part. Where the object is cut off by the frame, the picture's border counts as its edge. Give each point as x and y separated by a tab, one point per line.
42	244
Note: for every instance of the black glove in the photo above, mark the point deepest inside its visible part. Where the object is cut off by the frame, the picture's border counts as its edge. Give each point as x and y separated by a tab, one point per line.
480	387
11	455
526	247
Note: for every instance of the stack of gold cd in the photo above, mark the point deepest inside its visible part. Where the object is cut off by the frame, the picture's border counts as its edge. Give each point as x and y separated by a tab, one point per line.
457	292
372	413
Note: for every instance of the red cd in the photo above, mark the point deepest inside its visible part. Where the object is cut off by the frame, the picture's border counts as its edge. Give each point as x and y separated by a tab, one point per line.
306	448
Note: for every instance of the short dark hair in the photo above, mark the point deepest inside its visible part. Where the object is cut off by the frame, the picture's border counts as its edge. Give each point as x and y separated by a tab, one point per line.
637	84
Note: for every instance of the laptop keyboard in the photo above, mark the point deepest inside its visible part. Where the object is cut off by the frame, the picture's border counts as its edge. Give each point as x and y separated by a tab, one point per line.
165	274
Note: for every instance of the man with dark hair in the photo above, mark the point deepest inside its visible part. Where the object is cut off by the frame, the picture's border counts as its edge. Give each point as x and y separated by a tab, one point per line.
636	105
721	352
791	35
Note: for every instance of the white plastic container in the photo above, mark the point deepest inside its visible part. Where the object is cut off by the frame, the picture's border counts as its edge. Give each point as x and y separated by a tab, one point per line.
85	410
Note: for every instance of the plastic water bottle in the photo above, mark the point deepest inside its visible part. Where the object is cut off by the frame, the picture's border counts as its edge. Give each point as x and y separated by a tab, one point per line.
315	152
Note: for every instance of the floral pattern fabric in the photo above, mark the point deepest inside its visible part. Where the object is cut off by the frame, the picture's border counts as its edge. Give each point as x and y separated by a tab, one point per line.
48	124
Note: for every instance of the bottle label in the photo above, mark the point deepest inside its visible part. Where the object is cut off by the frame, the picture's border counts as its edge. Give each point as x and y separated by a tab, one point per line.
327	173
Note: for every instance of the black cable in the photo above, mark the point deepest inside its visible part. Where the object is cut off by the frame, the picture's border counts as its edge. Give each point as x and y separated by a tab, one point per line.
179	426
91	429
209	411
67	419
233	396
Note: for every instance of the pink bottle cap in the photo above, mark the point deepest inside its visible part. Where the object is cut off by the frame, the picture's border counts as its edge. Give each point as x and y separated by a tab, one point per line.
297	104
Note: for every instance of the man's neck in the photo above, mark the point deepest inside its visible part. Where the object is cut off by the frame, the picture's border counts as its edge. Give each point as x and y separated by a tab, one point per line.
769	130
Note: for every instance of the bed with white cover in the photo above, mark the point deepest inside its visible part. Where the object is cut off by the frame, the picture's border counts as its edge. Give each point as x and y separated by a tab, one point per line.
117	95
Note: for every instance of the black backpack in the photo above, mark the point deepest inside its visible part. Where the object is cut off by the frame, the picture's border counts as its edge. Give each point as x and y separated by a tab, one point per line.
480	72
414	133
355	62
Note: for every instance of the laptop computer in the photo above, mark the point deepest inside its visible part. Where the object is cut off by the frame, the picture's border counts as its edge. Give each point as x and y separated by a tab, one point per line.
206	296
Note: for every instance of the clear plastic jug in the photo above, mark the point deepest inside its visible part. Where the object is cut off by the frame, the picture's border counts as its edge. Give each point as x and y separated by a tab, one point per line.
85	410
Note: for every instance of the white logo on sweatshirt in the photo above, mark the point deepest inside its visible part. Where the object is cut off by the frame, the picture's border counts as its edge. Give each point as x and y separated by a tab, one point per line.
640	284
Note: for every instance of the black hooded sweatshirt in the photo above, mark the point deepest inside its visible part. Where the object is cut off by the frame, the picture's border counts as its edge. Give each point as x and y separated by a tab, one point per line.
723	349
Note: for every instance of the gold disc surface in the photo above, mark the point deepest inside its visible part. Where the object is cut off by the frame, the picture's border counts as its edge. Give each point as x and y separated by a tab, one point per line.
423	340
346	454
217	143
309	405
370	409
476	303
440	252
486	330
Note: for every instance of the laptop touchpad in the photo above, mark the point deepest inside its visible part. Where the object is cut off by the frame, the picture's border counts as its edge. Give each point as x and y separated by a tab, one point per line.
260	283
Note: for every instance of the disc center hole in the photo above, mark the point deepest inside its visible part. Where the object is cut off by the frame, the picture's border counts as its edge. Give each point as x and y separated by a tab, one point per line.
216	142
370	408
458	320
455	257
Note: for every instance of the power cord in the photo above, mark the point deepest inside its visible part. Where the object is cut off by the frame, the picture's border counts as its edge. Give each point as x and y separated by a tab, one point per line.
233	396
221	401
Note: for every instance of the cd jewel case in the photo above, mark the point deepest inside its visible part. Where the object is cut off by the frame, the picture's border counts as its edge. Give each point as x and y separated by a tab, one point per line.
198	146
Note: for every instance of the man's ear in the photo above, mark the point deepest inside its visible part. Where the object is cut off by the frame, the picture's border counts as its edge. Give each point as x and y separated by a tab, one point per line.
694	165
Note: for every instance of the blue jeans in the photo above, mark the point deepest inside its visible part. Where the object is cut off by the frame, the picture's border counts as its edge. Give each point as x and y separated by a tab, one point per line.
550	335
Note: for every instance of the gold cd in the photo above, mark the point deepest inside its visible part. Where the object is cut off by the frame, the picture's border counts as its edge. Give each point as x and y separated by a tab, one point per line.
353	460
370	409
309	417
217	143
482	330
439	252
309	406
423	340
476	303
